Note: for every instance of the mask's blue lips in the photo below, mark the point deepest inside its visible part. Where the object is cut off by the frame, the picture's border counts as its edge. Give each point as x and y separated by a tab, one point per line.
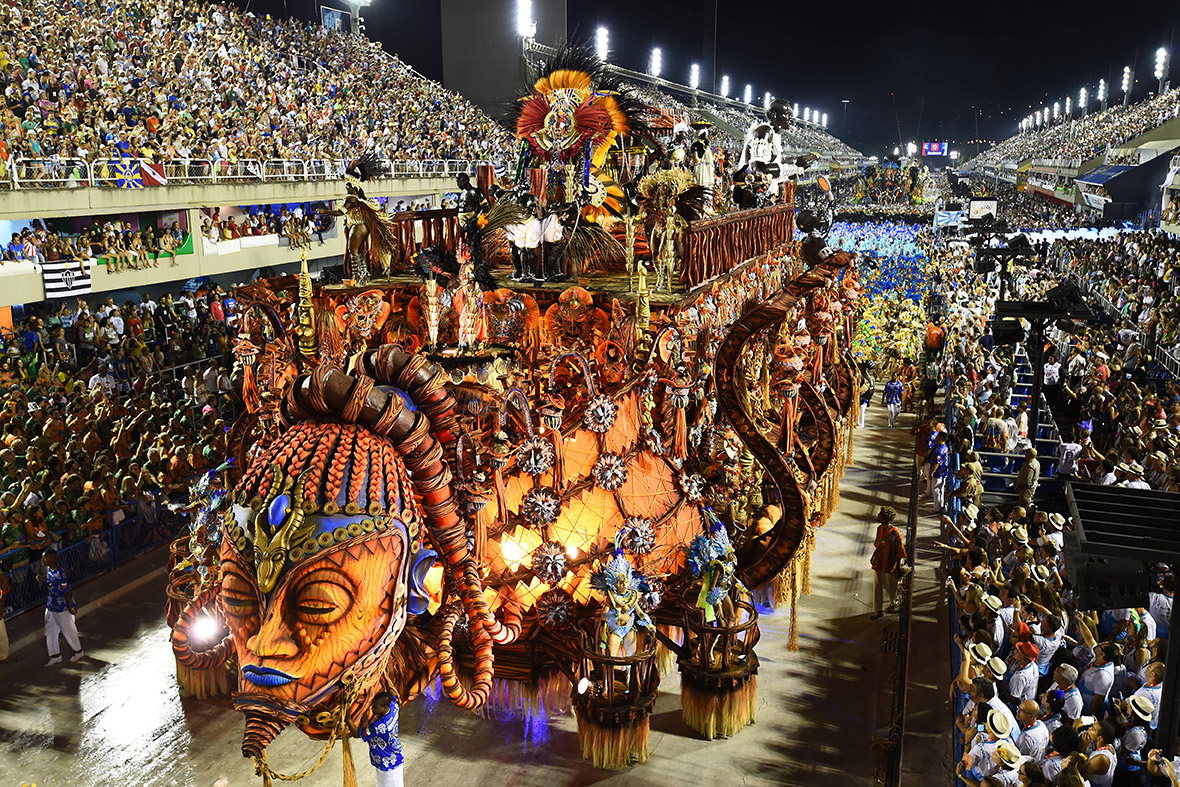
265	676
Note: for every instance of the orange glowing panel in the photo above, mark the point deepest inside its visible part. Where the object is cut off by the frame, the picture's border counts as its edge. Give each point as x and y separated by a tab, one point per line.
580	451
625	431
649	490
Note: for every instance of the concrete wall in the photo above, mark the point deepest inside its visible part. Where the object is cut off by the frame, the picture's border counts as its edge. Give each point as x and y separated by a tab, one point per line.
47	203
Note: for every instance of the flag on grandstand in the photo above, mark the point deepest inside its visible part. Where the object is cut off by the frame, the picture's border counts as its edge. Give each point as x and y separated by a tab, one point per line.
152	174
65	278
126	174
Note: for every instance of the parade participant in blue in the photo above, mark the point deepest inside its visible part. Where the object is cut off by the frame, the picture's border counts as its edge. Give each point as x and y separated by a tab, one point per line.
385	749
892	397
939	459
59	611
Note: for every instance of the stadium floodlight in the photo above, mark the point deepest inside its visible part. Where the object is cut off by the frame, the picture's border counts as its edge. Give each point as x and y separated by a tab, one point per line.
954	155
525	26
602	43
1161	68
694	76
896	152
1069	106
1056	110
1038	118
911	148
748	95
795	109
657	62
725	85
1128	83
824	122
806	114
1102	92
766	100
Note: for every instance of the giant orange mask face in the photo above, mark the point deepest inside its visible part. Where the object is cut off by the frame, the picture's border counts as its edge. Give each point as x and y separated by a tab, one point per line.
338	611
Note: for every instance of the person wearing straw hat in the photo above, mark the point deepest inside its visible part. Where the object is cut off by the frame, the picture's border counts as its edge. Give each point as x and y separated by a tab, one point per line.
1136	716
979	761
1135	477
1052	532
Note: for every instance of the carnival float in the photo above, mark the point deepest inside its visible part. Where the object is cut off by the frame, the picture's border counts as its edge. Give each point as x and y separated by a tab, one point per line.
544	450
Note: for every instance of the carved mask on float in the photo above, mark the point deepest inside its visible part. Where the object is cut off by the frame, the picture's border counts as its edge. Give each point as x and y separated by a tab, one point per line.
320	571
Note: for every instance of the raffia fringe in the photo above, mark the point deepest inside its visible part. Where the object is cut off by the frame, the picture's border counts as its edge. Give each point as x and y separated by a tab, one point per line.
665	657
719	713
203	684
548	696
613	748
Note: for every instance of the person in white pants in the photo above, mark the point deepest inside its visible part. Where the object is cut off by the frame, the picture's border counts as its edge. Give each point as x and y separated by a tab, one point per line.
385	749
59	611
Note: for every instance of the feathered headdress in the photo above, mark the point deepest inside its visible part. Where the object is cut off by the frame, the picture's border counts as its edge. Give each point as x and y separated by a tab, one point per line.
365	168
576	109
709	546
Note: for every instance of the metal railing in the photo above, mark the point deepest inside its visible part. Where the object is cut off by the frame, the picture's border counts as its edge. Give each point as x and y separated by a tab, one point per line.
49	173
57	173
99	553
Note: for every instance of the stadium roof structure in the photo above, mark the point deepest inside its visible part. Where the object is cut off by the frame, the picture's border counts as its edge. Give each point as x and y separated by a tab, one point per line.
1133	524
1099	175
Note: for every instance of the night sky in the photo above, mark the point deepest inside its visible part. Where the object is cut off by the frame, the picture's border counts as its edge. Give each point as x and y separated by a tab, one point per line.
929	71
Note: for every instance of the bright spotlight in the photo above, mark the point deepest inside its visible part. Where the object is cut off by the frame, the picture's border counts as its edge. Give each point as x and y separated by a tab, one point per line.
748	94
694	76
525	26
725	85
205	628
824	122
657	62
1101	90
1126	78
766	100
602	43
807	114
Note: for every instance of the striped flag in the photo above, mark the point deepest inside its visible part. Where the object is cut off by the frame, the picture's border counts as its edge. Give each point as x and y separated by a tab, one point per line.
126	174
66	278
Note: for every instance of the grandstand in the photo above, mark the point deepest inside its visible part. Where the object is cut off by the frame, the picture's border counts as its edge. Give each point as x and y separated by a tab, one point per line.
1108	161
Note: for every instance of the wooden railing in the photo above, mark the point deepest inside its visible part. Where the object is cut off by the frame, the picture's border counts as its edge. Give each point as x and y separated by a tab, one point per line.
421	228
717	245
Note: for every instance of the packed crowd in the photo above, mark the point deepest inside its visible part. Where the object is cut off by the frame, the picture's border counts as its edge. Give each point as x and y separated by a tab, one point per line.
113	242
1046	693
93	431
297	223
1025	211
153	80
1082	138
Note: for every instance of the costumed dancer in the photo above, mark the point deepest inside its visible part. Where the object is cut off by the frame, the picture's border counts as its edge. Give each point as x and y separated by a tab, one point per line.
369	238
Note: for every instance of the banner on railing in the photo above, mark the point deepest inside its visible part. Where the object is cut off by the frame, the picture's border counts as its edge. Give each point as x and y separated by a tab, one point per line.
66	278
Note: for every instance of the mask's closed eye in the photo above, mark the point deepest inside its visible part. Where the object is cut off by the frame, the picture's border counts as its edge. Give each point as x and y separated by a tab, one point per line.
320	601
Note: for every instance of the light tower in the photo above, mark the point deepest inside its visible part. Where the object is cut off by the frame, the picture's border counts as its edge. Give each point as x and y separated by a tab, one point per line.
1162	61
694	77
656	63
602	43
1083	102
725	85
748	94
1102	94
1128	83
